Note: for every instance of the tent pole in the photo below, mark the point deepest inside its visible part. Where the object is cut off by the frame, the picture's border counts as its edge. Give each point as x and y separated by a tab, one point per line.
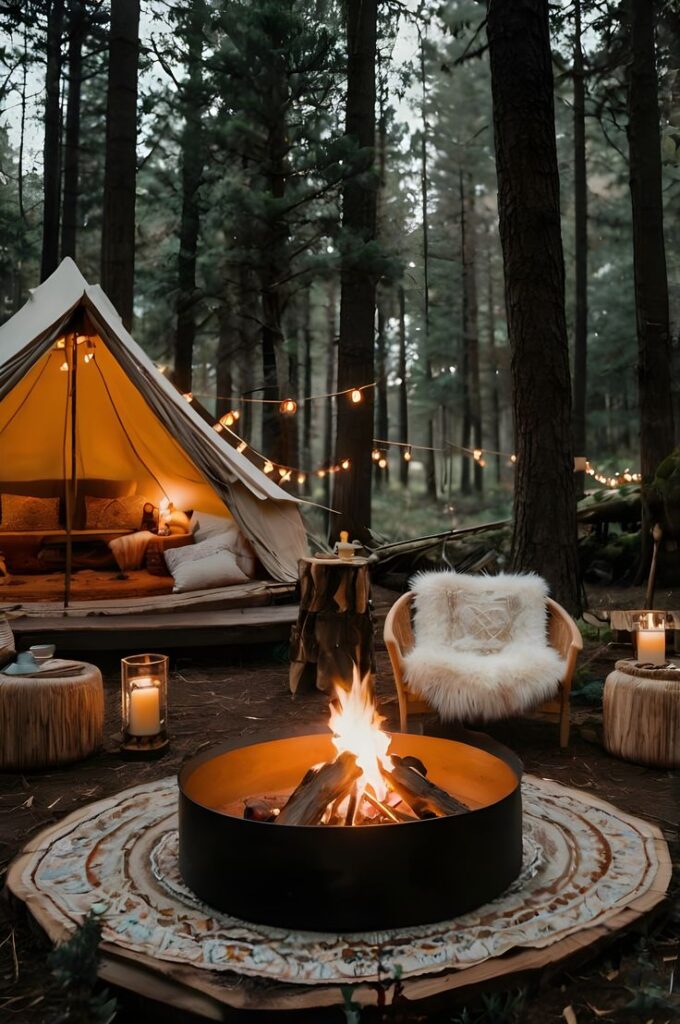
70	485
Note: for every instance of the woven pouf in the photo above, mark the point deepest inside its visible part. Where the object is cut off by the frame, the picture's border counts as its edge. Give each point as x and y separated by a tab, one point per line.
50	721
641	711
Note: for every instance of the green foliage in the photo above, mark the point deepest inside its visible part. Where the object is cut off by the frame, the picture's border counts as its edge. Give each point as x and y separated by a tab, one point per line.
497	1008
74	966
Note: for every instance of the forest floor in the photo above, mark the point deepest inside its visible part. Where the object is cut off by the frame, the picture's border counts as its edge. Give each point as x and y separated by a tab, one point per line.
217	696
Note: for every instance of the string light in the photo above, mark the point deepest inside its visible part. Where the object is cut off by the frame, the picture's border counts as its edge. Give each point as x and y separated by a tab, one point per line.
288	407
382	462
513	459
321	473
88	357
481	462
241	447
301	478
477	454
407	455
188	396
345	463
268	467
356	396
375	454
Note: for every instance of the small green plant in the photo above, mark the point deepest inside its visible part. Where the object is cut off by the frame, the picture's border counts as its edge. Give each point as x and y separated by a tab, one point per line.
74	967
497	1008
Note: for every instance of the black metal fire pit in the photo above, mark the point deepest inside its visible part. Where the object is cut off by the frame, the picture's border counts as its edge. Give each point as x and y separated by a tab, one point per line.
345	878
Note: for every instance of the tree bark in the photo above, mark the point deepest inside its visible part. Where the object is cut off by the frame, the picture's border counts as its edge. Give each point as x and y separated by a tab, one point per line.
331	366
120	172
382	476
649	255
544	535
352	490
192	161
69	219
494	369
52	141
580	251
470	326
307	373
429	458
403	389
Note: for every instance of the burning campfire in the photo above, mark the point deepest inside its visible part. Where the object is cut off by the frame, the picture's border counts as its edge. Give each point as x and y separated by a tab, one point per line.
364	784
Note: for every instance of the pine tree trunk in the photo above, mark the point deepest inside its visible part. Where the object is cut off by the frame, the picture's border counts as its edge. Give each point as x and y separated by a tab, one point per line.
52	141
246	310
470	321
307	374
651	282
382	427
192	162
224	380
69	220
331	365
403	388
120	172
494	370
544	536
352	490
430	464
580	251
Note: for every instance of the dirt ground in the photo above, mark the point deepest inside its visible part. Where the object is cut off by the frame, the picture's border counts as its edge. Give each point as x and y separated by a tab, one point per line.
216	695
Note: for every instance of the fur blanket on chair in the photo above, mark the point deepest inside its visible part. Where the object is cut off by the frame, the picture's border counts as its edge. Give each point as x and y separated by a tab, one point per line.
481	649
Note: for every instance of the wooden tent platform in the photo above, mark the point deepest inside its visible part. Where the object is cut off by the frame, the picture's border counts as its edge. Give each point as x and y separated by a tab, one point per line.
225	626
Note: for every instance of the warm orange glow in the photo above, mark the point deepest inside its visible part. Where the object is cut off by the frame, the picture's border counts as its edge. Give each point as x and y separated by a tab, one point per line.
356	396
407	455
477	454
268	467
241	447
345	463
382	462
301	478
288	407
189	396
375	454
356	727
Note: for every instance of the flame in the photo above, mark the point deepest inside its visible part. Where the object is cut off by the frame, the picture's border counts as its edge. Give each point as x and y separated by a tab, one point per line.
356	727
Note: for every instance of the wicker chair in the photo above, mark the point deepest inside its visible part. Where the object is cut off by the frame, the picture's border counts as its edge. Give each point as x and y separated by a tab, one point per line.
563	635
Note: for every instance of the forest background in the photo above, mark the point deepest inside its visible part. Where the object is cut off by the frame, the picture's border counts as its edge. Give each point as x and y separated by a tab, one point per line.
230	226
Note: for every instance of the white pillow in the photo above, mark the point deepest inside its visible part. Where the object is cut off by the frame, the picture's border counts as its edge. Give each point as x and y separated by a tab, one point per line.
217	570
231	540
205	525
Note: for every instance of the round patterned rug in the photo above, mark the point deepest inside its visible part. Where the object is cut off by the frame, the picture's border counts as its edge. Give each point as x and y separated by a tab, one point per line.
584	861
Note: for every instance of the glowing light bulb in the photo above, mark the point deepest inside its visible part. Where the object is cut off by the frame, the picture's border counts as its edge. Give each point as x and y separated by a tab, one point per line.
513	458
407	455
288	407
61	343
286	477
301	478
477	454
282	471
482	463
268	467
382	463
241	447
375	454
218	427
64	367
236	414
356	396
88	357
188	395
321	473
345	463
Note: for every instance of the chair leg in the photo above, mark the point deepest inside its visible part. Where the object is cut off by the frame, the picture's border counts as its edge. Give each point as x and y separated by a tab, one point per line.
403	712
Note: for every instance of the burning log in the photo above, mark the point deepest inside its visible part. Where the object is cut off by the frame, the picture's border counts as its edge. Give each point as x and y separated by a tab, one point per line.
418	792
318	788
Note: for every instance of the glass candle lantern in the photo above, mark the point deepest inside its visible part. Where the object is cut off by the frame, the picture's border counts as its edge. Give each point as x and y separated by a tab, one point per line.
144	683
649	631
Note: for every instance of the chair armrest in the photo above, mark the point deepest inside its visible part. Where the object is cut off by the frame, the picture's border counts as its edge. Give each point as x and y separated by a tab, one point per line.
564	635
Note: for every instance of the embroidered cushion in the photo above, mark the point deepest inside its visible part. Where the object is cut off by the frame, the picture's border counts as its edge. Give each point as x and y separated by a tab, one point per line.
21	512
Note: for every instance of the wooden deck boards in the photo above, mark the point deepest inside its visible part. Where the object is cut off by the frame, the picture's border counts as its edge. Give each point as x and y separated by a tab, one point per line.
226	626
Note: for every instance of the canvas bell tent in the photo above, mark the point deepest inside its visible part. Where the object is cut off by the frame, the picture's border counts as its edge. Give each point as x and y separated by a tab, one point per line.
82	404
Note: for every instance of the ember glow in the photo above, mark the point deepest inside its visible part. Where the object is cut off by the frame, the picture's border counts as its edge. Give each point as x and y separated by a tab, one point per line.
356	727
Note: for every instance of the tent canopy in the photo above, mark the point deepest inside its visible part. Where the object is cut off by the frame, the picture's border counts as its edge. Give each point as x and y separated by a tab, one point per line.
130	422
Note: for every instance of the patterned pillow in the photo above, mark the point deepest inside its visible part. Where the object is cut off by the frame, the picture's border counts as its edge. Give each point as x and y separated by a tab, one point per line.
484	624
114	513
21	512
7	648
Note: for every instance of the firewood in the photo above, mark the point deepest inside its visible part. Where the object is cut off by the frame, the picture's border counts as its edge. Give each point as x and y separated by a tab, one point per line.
258	810
414	762
319	787
418	792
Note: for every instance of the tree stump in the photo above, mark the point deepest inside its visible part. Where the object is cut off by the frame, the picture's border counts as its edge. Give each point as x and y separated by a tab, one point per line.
50	721
642	714
334	630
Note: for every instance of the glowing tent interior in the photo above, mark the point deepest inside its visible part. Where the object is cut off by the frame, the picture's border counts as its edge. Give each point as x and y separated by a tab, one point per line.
84	411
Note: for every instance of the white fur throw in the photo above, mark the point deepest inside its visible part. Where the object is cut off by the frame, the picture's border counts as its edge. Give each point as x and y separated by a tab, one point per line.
481	649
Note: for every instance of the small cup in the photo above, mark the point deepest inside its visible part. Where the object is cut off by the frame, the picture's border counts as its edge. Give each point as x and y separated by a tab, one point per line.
42	652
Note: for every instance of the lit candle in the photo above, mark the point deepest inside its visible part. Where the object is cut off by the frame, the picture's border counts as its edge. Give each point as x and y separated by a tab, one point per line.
145	708
651	641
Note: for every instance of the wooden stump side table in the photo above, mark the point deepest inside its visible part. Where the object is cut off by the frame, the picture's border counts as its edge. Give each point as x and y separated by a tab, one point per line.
50	721
641	713
334	630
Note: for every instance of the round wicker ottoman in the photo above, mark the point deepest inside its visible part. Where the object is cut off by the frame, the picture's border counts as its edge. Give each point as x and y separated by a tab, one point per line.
50	721
642	714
